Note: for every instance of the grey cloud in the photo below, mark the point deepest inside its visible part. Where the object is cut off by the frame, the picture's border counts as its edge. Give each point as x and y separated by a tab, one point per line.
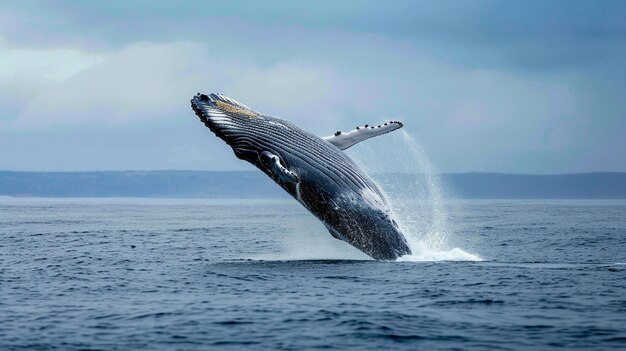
526	35
149	81
517	87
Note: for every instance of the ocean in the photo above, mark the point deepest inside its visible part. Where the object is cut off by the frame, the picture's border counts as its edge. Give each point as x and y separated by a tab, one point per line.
169	274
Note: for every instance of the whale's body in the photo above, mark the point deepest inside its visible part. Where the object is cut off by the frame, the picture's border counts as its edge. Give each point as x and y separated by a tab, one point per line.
315	172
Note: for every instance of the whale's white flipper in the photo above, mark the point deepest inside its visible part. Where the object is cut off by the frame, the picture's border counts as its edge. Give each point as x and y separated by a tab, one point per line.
272	163
345	140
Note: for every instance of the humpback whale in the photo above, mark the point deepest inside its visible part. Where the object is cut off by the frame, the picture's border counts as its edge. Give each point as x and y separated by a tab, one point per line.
313	170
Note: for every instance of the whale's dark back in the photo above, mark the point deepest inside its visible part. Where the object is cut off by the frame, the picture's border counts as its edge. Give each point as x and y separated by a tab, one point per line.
331	185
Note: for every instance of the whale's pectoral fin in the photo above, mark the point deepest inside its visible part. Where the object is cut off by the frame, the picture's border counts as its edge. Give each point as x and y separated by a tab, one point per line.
345	140
272	163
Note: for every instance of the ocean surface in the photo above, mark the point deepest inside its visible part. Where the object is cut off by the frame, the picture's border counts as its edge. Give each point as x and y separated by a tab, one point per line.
152	274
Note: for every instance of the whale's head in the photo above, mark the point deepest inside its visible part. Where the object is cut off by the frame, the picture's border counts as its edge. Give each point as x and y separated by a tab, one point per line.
242	128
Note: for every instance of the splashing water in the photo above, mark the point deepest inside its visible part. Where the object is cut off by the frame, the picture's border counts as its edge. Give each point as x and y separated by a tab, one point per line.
414	192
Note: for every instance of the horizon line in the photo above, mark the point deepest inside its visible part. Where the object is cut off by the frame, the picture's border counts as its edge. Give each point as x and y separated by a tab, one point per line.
254	171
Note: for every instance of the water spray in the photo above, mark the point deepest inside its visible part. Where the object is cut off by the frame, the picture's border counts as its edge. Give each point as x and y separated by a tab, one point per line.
416	197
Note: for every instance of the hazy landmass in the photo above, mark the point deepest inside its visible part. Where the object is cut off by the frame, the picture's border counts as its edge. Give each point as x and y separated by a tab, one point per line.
246	184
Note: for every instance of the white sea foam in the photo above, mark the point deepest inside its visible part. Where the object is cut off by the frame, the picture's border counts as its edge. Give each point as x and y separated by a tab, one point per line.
428	254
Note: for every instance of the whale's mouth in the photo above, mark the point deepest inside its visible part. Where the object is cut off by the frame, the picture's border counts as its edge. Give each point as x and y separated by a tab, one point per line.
215	119
230	121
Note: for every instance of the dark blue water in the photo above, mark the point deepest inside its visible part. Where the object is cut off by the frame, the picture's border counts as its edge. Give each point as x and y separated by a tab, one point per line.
195	275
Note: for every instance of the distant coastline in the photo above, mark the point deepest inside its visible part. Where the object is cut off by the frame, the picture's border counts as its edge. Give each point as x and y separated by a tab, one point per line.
250	184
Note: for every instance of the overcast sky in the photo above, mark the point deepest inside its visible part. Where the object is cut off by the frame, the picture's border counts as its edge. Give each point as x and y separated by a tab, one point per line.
505	86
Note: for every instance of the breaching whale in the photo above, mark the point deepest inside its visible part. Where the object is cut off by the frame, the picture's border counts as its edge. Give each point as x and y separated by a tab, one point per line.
314	170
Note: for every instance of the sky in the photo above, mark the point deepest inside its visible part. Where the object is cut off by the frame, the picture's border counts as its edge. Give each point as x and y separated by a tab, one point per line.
492	86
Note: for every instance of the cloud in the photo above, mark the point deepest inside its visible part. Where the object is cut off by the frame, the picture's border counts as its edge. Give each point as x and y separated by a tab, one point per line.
152	83
529	35
536	87
148	81
44	64
26	72
135	83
